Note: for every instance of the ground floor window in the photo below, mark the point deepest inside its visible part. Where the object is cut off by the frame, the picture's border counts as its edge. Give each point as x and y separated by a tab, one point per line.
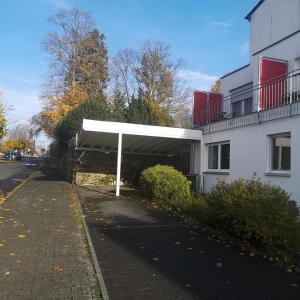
281	152
219	156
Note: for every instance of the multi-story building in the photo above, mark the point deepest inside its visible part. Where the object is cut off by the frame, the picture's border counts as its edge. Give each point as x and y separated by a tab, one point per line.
253	126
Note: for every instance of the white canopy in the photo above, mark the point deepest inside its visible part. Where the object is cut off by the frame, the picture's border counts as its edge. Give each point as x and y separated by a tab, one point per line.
118	137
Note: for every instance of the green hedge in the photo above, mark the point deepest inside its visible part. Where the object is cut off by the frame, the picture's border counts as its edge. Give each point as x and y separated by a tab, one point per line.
167	185
258	212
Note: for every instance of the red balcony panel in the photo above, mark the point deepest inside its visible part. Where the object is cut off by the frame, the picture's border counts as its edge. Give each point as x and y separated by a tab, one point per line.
272	81
207	108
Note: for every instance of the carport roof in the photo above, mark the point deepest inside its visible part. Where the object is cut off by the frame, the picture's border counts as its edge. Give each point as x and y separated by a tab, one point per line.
102	136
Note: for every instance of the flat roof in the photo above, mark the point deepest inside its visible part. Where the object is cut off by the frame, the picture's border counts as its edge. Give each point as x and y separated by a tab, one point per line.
102	136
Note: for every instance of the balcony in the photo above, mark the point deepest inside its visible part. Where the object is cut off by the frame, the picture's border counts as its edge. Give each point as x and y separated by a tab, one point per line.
273	99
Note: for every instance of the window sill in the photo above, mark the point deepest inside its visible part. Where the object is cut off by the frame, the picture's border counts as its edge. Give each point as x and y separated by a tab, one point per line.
278	174
218	172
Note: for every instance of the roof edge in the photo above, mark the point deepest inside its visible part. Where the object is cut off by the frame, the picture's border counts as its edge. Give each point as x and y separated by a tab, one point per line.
248	17
234	71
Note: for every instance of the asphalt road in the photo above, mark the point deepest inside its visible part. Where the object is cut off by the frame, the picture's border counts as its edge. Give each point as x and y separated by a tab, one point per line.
12	174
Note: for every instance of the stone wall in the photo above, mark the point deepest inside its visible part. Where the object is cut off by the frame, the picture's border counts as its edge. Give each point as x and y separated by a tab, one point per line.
97	168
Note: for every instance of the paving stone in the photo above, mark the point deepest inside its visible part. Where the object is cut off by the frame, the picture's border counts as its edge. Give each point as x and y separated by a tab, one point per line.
42	267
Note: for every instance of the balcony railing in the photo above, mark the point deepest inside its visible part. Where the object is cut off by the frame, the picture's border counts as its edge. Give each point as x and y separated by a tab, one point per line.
273	99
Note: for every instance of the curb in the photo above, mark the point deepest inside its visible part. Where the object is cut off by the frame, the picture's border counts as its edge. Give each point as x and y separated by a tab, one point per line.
92	251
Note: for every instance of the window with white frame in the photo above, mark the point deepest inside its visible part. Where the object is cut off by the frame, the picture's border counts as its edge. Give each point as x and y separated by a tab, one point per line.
219	156
281	152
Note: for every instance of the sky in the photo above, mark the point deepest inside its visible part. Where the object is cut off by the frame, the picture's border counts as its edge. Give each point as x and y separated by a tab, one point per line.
211	37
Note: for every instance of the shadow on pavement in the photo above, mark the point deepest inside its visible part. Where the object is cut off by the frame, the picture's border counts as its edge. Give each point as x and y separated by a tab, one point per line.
134	241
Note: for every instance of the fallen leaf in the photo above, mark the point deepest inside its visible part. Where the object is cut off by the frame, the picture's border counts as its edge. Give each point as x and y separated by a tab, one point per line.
21	236
12	254
57	269
7	273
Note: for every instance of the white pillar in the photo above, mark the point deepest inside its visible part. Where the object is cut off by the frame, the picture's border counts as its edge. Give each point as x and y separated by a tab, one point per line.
119	164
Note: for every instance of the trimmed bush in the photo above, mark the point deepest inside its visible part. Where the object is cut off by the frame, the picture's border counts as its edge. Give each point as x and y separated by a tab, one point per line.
258	212
167	185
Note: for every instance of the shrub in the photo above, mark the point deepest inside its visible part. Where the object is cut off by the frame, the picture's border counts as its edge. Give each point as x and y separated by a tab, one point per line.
258	212
167	185
70	124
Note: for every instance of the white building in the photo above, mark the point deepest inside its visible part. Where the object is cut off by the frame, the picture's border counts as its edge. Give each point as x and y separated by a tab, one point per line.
254	126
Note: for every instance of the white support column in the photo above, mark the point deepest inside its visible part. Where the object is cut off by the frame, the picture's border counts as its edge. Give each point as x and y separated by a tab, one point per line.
119	161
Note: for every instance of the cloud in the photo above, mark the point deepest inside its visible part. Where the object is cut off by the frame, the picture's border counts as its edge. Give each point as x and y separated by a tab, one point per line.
24	102
197	80
221	25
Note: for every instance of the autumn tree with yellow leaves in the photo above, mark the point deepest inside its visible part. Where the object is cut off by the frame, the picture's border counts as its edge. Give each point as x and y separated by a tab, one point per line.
3	122
15	144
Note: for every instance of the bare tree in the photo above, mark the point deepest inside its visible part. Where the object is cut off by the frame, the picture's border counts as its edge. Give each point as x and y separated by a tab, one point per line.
122	74
151	73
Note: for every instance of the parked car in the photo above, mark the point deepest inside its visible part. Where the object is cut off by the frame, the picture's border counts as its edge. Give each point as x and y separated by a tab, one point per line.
13	155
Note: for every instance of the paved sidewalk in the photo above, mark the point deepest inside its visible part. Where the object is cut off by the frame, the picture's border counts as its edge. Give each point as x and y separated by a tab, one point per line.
41	247
148	253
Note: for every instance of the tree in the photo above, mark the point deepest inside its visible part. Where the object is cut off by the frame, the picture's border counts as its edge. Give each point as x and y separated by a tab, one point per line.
147	112
216	87
3	121
150	72
78	67
22	133
57	108
92	73
15	144
71	124
123	81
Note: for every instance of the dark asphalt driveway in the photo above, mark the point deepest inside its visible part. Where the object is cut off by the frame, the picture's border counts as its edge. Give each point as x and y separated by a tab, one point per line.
12	174
148	253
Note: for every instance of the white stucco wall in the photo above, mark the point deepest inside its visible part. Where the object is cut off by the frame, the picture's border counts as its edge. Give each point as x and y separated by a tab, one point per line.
288	50
272	21
235	80
250	153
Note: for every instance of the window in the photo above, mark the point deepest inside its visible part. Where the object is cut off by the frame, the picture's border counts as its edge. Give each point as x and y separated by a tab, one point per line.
213	157
237	109
281	152
248	106
219	156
